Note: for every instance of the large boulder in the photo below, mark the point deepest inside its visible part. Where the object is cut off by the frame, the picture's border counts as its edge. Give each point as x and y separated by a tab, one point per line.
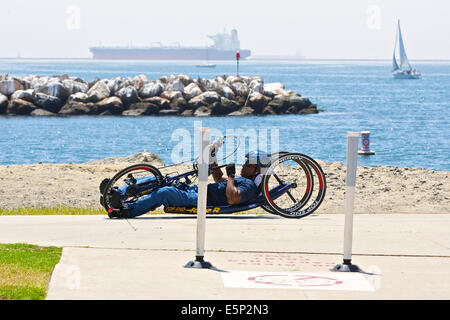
9	86
128	95
210	85
233	79
78	97
47	102
185	79
169	112
179	104
187	113
176	85
280	103
164	80
140	81
78	109
257	102
98	92
205	99
20	107
144	109
245	111
27	95
203	111
3	103
268	111
299	102
42	113
312	109
73	86
225	91
115	84
55	88
152	89
92	83
112	104
160	102
134	112
257	85
171	95
240	89
192	90
224	107
273	89
208	97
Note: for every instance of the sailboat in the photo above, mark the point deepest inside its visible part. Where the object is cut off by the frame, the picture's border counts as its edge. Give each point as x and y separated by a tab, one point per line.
404	69
207	64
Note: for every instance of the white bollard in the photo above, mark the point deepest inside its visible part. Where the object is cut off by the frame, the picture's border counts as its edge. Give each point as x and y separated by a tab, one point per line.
203	167
365	144
352	148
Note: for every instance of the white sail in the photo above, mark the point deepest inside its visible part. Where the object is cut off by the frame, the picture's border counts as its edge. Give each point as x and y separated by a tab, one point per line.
404	63
394	60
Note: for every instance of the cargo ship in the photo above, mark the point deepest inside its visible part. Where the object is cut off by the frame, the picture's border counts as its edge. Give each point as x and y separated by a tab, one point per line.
224	48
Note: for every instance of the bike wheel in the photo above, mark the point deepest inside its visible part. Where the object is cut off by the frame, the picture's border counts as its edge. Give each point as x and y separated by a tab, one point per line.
274	157
132	183
302	174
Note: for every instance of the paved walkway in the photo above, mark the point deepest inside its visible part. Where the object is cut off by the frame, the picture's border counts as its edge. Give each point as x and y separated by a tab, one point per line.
255	256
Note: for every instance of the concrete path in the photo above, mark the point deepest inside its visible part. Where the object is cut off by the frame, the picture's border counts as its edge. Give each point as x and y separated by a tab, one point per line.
403	256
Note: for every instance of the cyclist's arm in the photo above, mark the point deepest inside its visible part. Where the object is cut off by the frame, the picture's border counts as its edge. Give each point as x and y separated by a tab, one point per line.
233	193
217	173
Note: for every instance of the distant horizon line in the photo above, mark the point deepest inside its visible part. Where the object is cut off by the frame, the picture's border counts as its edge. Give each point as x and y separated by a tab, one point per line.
255	58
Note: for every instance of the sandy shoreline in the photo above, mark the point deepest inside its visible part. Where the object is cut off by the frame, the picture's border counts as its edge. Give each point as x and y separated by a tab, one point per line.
379	189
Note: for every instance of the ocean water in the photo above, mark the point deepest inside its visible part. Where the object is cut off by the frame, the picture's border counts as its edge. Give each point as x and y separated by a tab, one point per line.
408	119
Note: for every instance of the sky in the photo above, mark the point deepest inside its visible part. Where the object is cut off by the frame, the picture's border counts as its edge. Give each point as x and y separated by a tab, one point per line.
320	29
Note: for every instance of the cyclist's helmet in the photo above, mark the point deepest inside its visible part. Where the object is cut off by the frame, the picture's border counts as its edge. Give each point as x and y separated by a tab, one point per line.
258	157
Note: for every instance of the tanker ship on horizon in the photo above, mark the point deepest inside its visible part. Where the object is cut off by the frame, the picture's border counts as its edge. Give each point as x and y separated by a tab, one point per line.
224	48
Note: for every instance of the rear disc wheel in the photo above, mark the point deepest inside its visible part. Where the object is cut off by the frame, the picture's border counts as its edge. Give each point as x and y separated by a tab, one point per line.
307	185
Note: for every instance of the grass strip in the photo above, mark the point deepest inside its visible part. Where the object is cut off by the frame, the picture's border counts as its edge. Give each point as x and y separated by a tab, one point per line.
25	270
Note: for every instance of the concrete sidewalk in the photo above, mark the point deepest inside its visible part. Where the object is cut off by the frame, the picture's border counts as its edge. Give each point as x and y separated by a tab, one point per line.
404	256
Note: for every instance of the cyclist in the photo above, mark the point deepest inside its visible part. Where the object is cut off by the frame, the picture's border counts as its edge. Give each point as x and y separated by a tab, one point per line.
227	190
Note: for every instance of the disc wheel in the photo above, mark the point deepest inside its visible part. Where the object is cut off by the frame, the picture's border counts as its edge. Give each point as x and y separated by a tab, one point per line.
132	183
274	157
306	182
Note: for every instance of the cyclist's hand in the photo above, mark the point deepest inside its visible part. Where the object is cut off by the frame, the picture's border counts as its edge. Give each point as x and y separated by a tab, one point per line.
213	149
212	154
231	170
218	142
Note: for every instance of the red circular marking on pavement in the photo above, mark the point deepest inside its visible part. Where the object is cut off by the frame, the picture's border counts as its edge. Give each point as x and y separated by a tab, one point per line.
296	280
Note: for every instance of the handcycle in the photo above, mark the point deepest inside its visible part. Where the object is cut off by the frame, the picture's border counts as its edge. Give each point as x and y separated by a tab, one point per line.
293	185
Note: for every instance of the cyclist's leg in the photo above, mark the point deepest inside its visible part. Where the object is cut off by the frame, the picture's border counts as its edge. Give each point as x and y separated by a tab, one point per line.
140	181
167	196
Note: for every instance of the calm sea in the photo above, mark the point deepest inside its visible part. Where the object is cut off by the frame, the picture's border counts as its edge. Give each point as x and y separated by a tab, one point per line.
408	119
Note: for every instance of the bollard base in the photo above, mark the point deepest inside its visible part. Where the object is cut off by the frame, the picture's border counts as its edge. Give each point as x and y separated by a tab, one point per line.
347	266
199	263
366	153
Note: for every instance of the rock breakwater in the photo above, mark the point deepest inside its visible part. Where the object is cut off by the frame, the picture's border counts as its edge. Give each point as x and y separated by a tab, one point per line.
178	95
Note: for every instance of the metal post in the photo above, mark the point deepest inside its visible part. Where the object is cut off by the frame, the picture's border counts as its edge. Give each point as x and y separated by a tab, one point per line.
203	165
238	56
352	152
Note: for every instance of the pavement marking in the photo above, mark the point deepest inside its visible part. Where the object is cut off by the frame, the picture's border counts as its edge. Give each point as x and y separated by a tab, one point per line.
296	280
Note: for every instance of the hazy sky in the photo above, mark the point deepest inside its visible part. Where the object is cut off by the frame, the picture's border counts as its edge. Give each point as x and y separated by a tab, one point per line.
318	29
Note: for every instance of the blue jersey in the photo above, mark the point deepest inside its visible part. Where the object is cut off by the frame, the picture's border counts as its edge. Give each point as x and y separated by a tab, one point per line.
217	191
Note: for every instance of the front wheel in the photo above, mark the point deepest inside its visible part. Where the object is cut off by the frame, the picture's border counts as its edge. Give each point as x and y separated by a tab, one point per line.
301	184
